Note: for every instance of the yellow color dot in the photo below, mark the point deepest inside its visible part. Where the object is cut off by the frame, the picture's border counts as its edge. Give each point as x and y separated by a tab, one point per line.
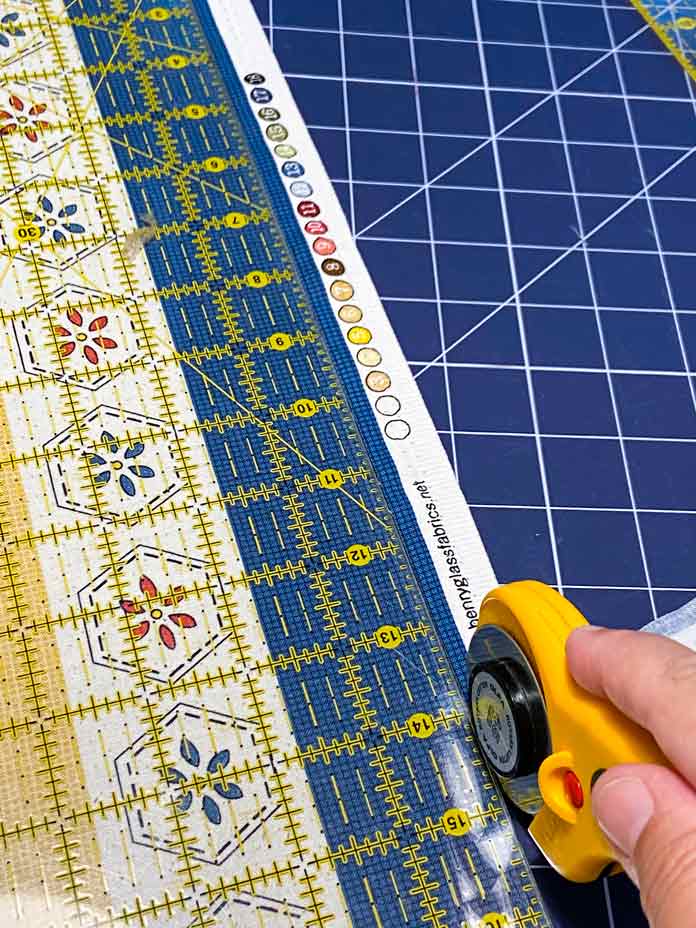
117	465
330	479
158	13
685	22
388	636
420	725
156	613
304	408
215	164
81	337
359	335
257	279
195	111
176	61
350	313
236	220
456	822
281	341
358	555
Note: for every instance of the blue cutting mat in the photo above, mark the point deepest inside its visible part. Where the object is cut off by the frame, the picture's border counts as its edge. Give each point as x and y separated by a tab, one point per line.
520	178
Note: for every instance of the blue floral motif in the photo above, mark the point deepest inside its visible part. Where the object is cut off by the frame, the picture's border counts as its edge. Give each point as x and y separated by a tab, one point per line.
57	220
119	463
216	765
9	29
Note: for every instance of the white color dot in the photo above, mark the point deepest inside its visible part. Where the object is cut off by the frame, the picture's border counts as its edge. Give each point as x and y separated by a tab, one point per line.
300	188
397	429
388	405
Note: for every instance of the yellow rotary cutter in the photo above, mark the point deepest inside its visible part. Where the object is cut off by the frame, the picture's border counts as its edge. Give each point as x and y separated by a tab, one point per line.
546	738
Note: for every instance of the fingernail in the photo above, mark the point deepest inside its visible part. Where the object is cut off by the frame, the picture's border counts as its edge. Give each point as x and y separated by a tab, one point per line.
628	868
622	808
587	630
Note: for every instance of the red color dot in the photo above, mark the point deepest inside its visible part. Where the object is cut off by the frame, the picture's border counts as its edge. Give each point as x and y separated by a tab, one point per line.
324	246
316	227
573	788
308	209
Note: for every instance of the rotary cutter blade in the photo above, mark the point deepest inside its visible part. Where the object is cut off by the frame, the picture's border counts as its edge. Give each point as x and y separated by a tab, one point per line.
509	714
545	738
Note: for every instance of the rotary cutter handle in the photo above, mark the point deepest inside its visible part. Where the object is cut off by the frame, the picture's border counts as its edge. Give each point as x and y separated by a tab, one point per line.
546	738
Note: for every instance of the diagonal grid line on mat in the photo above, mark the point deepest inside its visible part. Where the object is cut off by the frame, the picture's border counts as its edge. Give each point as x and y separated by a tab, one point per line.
431	231
564	254
346	117
598	321
444	85
607	899
531	395
454	40
651	211
495	134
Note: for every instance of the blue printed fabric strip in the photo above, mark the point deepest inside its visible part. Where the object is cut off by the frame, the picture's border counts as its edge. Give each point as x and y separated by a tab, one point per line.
192	154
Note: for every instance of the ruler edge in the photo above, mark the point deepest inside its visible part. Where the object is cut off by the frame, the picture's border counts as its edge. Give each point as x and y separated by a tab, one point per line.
239	37
665	38
408	457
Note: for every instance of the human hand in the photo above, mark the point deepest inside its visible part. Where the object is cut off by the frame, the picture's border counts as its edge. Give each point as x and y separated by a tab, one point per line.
648	812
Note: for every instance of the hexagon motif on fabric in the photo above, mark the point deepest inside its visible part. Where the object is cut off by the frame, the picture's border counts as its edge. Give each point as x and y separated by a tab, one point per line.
53	227
236	909
112	463
19	32
77	335
247	909
155	612
34	117
201	802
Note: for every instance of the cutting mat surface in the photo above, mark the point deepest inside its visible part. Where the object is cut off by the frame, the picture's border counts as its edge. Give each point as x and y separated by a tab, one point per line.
226	687
520	177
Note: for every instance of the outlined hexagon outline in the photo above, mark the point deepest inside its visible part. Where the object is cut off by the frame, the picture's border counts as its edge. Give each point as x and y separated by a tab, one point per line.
144	834
28	252
21	326
34	90
56	469
291	912
26	45
113	662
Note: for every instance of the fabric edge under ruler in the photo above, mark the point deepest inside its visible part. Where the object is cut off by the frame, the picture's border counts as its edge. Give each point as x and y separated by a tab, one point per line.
438	546
424	473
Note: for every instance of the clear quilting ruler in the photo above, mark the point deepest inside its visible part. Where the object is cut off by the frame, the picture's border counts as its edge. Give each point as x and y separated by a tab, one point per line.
235	568
674	21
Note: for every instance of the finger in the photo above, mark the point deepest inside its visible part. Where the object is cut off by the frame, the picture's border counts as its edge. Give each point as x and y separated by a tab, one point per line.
649	678
649	814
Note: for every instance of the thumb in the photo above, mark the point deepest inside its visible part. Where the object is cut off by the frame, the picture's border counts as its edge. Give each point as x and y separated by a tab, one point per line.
648	813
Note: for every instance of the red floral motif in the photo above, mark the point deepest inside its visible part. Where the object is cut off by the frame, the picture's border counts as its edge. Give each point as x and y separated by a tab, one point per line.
83	335
156	616
20	119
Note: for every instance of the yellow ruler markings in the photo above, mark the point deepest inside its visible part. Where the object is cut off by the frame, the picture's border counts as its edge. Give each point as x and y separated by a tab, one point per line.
664	34
262	424
184	172
52	775
92	97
